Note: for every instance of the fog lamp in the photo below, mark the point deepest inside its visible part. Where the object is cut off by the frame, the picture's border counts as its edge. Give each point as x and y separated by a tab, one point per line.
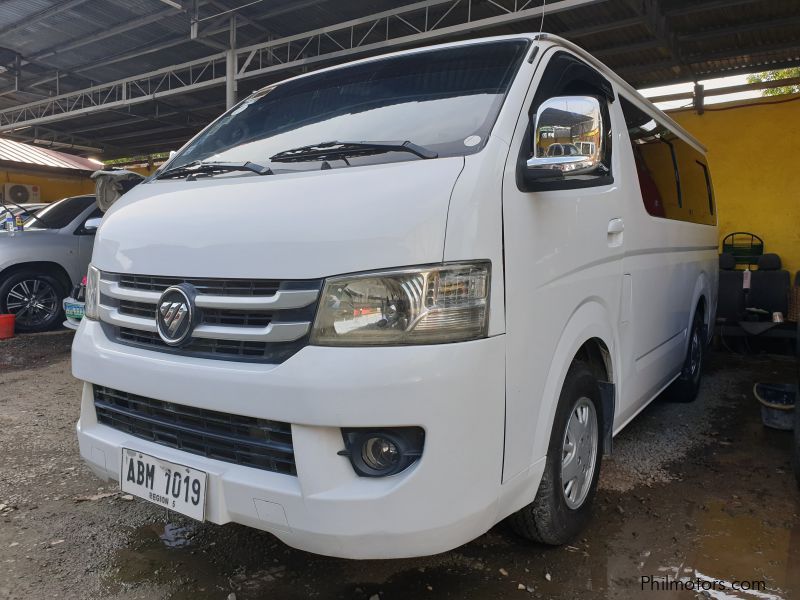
382	452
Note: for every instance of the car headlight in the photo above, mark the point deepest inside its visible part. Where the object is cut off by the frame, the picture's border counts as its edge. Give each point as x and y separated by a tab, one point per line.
421	305
90	310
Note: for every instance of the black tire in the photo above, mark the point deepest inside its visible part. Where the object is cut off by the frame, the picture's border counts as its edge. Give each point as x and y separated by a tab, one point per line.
796	443
687	385
47	292
549	519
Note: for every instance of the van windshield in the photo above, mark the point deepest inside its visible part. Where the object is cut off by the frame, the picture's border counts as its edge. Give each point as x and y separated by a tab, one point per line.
443	100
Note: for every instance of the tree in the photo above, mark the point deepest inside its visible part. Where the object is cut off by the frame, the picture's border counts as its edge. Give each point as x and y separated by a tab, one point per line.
775	76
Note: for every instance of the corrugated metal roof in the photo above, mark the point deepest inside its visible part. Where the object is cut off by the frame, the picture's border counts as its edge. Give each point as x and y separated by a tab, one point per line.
25	154
87	42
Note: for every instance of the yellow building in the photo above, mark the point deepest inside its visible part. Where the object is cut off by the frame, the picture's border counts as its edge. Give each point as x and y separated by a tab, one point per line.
33	174
754	153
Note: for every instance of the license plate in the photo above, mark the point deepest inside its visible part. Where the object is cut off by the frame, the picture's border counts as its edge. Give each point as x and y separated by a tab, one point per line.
73	311
167	484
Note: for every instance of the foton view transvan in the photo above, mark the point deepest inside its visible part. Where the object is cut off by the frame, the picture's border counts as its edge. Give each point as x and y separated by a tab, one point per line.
368	311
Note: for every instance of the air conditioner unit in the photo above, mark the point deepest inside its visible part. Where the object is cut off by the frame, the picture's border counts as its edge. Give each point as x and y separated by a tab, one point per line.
19	193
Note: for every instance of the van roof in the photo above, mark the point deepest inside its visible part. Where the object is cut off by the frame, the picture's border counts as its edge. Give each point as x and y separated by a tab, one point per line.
543	39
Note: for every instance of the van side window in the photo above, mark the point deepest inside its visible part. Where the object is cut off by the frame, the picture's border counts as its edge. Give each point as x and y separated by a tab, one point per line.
673	175
571	132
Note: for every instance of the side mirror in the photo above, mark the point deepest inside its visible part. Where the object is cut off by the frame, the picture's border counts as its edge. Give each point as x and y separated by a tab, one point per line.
567	138
91	225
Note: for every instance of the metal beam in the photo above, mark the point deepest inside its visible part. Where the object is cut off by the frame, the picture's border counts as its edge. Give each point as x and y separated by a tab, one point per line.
745	51
383	30
720	55
231	66
699	6
353	34
124	27
55	9
659	25
40	133
131	54
162	144
241	18
636	47
146	132
188	118
187	77
571	34
169	42
701	36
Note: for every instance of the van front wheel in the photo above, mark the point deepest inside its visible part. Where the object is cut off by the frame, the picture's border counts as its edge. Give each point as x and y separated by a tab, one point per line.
563	503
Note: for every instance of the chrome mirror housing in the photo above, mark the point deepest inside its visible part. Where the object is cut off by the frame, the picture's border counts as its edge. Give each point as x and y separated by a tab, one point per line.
92	224
567	137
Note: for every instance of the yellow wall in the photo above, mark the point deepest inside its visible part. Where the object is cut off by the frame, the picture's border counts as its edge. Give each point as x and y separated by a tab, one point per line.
754	157
52	187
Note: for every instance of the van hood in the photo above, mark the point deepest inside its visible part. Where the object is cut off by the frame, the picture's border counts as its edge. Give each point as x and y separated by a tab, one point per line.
289	226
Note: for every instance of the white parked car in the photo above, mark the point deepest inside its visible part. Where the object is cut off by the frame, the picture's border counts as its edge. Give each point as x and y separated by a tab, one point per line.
402	342
40	264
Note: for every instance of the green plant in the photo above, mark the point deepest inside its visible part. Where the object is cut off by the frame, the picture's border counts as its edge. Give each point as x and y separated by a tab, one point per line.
776	75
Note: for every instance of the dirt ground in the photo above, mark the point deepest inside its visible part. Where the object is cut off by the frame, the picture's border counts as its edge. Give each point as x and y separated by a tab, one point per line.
697	493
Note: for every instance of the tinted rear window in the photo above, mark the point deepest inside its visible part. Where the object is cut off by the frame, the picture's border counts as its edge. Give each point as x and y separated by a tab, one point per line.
61	213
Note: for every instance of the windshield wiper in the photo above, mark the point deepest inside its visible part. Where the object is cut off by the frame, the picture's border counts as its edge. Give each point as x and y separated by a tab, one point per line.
199	167
343	150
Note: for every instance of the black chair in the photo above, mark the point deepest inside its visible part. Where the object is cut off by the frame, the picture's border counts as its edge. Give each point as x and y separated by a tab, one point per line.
745	247
769	286
730	299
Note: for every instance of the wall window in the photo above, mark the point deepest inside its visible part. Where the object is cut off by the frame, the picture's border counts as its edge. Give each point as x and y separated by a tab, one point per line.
673	175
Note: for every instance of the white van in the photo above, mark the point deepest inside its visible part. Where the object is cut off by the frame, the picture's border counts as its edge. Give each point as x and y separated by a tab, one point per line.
364	310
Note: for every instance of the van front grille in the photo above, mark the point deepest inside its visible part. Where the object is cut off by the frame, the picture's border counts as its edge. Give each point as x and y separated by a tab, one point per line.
254	320
247	441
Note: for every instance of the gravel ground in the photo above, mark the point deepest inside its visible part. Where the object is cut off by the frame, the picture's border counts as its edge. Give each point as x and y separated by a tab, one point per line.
691	490
672	432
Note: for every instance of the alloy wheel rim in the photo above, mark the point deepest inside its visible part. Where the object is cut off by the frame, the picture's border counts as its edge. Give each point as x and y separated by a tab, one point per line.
32	302
694	354
579	453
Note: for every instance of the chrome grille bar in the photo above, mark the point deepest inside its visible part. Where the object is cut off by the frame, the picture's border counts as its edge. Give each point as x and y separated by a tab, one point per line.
112	316
128	307
274	332
281	300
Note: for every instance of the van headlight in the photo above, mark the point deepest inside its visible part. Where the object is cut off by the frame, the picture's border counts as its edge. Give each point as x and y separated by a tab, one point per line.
421	305
90	310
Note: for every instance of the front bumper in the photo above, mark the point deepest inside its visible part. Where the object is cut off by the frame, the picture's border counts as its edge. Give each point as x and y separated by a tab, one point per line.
454	391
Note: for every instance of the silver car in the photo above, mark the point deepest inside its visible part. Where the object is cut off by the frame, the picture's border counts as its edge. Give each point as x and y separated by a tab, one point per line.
39	265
